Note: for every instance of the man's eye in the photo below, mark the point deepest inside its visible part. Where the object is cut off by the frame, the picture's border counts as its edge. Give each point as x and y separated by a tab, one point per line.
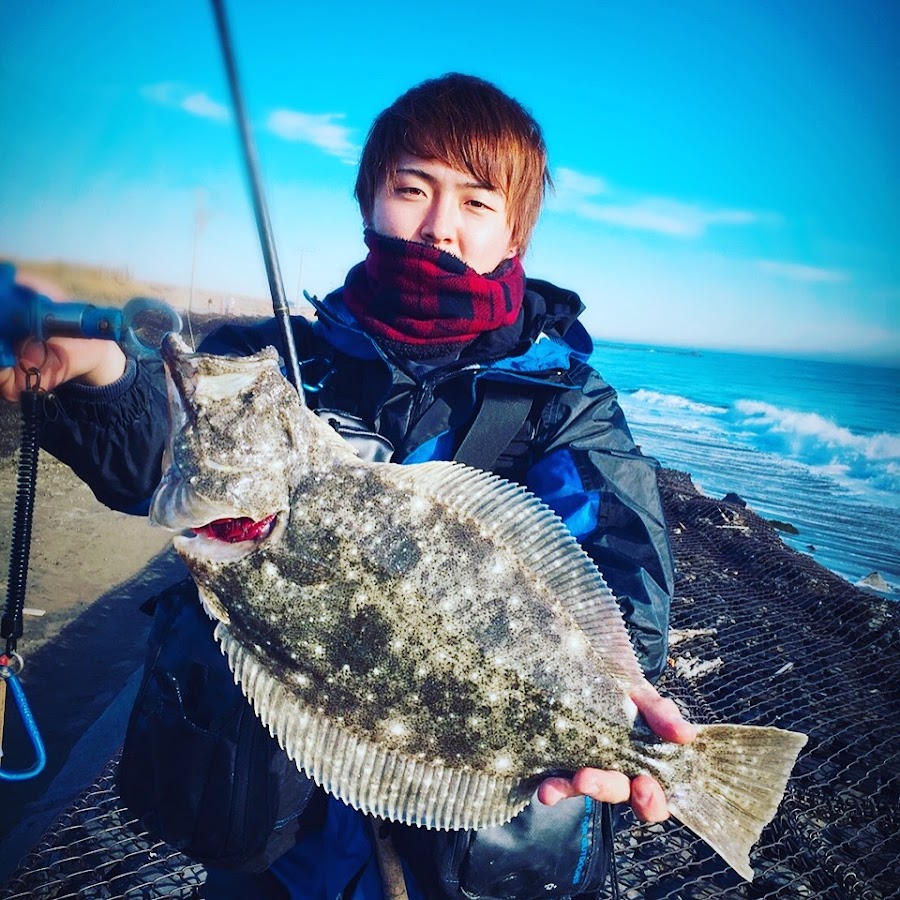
409	190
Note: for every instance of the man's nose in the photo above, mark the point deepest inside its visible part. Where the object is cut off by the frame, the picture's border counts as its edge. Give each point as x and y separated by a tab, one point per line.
439	224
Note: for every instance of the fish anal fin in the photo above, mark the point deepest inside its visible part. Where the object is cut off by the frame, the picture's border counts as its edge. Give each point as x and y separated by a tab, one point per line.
374	779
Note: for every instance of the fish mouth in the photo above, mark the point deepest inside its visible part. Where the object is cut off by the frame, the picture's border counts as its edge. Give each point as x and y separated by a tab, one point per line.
234	531
229	539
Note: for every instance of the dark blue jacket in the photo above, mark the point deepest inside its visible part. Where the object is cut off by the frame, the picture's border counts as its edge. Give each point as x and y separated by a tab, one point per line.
574	451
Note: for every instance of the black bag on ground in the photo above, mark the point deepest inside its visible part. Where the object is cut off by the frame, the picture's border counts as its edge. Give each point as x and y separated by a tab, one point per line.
198	769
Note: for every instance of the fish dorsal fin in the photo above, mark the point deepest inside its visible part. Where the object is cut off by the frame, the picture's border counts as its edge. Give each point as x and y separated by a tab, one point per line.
515	518
369	777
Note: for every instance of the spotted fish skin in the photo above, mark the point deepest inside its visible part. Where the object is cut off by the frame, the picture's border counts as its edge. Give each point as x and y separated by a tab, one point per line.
343	624
425	641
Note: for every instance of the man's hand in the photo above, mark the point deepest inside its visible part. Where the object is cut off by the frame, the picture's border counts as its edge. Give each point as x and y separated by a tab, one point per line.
64	359
643	792
59	360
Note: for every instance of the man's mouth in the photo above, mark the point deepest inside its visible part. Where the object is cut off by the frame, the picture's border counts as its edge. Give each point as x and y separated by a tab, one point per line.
233	531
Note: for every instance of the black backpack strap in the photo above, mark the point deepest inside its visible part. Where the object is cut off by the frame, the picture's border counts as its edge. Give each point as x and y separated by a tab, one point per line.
501	414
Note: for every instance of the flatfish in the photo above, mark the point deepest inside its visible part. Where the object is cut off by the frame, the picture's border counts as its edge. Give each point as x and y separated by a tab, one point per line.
427	642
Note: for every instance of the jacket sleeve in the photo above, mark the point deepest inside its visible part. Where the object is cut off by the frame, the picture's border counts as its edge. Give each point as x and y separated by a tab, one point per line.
594	476
112	437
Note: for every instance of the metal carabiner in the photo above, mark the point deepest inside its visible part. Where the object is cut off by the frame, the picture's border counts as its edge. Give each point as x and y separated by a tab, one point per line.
8	676
33	373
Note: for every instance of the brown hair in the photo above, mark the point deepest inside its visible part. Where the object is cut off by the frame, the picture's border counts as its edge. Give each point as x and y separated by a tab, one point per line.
470	125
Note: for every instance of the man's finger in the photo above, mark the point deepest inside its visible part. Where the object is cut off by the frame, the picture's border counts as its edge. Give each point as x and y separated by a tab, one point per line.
552	790
648	800
663	716
603	786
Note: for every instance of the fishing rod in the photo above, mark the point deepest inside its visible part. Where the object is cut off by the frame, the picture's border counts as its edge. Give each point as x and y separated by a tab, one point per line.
389	864
280	306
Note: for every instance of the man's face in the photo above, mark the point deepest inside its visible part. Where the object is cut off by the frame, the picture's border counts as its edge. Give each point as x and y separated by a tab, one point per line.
431	203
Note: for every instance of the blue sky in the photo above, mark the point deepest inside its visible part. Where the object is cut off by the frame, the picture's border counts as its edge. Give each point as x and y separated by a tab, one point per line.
727	172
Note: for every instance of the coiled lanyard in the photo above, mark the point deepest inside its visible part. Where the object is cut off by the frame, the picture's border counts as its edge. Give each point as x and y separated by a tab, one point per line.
31	403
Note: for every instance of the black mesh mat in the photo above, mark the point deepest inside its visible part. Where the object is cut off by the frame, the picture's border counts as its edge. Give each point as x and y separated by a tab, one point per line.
761	635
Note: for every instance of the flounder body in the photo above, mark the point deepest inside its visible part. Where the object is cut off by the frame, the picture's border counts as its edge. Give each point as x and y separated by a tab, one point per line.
426	642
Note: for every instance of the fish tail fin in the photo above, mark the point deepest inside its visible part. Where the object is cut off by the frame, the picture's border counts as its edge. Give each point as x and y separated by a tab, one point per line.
738	777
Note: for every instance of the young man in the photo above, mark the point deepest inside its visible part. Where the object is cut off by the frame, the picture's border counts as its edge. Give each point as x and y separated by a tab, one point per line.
439	316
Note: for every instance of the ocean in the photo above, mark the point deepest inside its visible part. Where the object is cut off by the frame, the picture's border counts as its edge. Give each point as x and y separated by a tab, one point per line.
810	443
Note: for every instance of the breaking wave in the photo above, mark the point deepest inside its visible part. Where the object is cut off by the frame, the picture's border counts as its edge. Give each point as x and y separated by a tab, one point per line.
674	401
829	449
867	465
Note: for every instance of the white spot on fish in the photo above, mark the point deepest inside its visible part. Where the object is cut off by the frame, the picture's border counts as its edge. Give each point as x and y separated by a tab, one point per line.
502	764
575	641
397	729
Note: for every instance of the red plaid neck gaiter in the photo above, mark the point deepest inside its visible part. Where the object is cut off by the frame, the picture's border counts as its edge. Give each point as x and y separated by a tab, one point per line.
414	294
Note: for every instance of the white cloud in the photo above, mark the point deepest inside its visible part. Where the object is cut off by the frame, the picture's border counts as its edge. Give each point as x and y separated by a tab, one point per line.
663	216
177	96
201	104
319	129
577	192
568	181
799	272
